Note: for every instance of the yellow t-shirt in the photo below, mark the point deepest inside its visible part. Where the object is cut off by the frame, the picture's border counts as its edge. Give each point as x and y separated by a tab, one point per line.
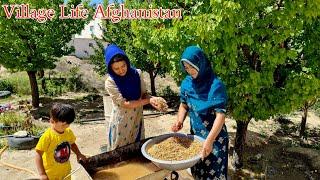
57	150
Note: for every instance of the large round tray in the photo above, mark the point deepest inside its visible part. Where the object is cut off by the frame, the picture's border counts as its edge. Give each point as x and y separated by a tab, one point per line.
170	165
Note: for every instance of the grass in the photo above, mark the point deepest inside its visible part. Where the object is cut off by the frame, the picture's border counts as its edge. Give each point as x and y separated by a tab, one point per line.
12	121
37	130
13	99
3	142
20	82
16	121
11	118
21	86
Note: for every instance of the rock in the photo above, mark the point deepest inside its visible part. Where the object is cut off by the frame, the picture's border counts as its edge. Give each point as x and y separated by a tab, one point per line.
258	156
21	134
299	166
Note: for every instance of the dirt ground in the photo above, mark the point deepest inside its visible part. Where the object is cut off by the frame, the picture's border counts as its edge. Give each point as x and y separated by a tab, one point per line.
272	150
265	158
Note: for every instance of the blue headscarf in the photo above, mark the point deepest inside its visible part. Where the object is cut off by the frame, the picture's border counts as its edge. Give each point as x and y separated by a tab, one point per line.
206	89
128	85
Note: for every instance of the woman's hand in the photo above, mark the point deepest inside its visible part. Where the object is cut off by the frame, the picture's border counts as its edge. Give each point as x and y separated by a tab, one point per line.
206	148
159	103
177	126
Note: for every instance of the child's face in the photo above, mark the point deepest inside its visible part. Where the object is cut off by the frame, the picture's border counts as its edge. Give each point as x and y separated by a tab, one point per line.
59	126
190	70
119	68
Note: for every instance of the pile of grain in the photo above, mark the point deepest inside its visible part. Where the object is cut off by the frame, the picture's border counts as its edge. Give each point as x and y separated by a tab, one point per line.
161	103
175	149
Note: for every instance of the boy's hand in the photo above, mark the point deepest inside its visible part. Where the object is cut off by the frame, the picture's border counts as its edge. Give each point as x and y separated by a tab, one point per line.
206	149
43	177
82	158
177	126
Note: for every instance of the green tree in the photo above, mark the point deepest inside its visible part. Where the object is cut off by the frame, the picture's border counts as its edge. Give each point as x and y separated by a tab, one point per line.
27	45
165	39
128	37
308	79
150	36
252	48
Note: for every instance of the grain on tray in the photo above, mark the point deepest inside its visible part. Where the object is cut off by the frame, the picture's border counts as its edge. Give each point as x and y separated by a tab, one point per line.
175	149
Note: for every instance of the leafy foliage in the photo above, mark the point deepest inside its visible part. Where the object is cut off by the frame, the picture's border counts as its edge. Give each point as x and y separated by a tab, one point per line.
98	58
119	34
74	82
165	39
33	45
54	87
27	45
19	82
12	118
132	40
264	51
252	46
5	85
16	121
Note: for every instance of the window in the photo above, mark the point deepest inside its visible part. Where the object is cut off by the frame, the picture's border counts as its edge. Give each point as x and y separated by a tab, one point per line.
91	29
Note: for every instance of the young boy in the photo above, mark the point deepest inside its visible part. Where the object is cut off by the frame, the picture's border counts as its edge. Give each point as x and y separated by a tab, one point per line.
53	148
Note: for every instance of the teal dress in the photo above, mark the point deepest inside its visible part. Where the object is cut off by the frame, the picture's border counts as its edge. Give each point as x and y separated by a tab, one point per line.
205	95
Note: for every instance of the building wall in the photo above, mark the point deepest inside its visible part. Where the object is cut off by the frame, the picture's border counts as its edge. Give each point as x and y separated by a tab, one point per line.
84	42
83	47
92	28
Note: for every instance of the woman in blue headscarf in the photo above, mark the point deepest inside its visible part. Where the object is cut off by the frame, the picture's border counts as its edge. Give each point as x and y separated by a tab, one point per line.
126	87
203	96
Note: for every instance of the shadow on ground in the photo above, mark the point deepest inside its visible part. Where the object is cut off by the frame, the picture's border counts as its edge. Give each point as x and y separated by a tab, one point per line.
281	156
274	157
87	107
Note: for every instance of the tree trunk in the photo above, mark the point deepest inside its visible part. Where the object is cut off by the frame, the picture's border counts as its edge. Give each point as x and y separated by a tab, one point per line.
43	80
34	88
152	83
303	120
239	144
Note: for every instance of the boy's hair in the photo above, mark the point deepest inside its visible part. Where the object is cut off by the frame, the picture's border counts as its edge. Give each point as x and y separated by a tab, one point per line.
63	113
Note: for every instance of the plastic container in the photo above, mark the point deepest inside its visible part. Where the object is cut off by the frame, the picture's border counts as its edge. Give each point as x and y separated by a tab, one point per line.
171	165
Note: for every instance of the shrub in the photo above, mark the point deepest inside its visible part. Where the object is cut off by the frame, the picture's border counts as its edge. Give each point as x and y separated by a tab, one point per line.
20	83
2	143
168	92
54	87
15	121
36	130
5	85
74	82
172	98
11	118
